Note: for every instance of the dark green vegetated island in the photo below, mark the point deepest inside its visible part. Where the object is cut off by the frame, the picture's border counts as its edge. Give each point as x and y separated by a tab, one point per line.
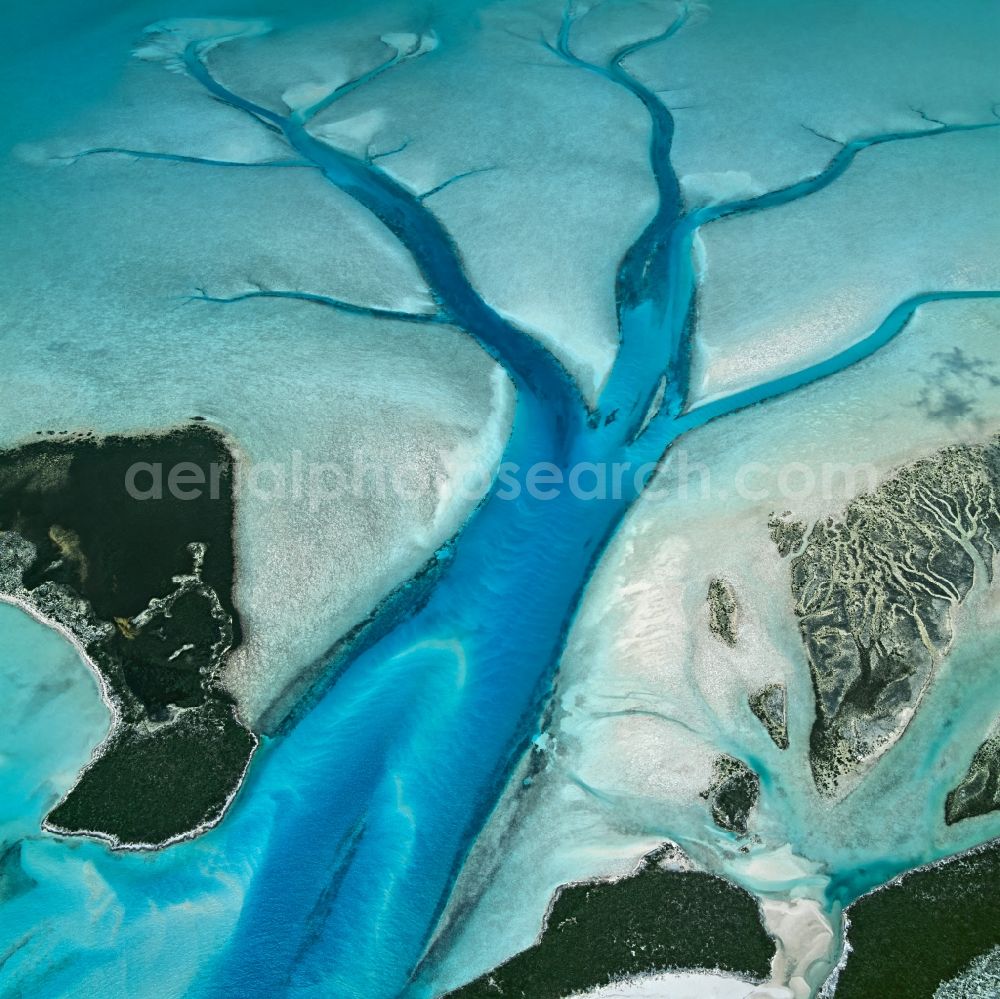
875	590
770	705
922	930
93	537
978	793
657	920
733	794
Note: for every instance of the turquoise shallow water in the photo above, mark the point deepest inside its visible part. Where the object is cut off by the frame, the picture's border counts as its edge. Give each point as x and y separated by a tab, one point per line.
329	873
53	716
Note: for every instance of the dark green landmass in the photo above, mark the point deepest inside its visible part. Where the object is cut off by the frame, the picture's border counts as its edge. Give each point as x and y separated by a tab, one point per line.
786	534
68	497
875	590
657	920
770	705
723	611
733	794
922	930
980	980
979	791
162	784
93	536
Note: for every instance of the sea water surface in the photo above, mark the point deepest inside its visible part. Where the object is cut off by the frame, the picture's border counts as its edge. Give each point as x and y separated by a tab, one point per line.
329	873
